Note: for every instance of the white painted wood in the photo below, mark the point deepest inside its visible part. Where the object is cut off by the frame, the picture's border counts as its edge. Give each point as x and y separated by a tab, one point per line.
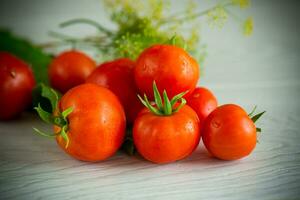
262	70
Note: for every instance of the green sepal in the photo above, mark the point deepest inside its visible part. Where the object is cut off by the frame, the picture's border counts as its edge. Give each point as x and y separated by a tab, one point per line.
252	111
64	135
147	104
167	104
167	107
177	97
48	135
177	41
258	130
51	95
46	116
183	102
66	112
157	97
60	118
257	116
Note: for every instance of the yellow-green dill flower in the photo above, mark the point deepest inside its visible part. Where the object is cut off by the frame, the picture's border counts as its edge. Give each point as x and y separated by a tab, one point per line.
248	26
217	17
241	3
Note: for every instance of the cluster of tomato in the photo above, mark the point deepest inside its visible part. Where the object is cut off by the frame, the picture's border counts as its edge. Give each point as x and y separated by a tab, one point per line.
99	102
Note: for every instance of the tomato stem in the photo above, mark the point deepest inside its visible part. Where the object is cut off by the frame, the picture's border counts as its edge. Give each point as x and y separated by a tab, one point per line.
166	107
59	119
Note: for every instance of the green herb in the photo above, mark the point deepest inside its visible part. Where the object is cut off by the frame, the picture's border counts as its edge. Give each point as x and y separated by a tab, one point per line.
141	24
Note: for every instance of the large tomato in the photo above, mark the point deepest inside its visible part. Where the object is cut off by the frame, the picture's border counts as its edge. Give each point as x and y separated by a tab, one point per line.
69	69
167	133
117	76
94	128
16	84
203	102
171	67
229	133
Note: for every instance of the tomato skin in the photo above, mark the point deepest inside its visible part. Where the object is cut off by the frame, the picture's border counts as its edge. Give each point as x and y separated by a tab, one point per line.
163	139
171	67
69	69
16	84
203	102
117	76
96	125
229	133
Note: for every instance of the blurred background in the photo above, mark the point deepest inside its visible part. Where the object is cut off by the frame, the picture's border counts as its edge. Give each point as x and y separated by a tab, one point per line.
268	59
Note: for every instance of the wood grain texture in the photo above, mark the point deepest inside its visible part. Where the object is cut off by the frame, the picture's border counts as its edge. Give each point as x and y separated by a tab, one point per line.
33	167
261	70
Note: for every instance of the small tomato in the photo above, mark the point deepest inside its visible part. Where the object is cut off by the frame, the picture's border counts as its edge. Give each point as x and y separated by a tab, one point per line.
167	132
89	122
69	69
203	102
229	133
171	67
117	76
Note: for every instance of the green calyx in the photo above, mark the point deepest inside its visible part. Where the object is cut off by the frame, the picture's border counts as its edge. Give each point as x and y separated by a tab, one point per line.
59	119
164	107
255	117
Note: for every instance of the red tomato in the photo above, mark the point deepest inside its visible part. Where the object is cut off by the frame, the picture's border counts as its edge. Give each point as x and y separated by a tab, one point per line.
171	67
229	133
203	102
96	126
16	84
117	76
69	69
163	139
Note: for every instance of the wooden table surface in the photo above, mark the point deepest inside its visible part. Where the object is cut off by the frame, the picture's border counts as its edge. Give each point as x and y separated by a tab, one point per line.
261	70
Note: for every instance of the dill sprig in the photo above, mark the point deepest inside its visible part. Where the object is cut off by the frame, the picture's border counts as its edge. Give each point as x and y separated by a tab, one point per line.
141	24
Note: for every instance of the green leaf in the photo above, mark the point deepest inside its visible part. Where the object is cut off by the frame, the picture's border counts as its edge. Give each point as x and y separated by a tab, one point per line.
45	116
256	117
28	52
167	104
157	97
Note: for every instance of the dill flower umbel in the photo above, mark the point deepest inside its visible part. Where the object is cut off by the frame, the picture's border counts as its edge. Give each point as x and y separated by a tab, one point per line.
248	26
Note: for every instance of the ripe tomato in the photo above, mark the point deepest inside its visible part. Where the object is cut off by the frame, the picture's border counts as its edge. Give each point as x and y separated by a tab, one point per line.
168	132
117	76
96	126
229	133
171	67
69	69
203	102
16	84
